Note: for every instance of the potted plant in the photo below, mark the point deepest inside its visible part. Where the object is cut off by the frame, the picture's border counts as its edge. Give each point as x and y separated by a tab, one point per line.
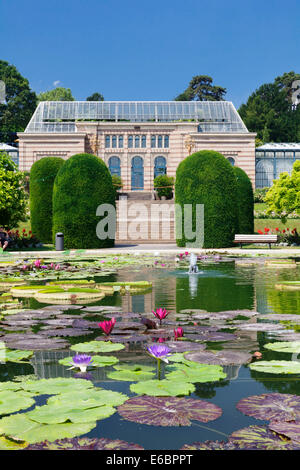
164	185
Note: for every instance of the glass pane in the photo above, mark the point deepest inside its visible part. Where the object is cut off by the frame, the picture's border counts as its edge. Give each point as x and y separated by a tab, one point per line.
153	141
166	141
130	141
121	141
137	141
107	141
144	141
159	141
114	141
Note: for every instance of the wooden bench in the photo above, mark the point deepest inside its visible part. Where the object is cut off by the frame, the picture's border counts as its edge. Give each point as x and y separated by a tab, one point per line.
249	239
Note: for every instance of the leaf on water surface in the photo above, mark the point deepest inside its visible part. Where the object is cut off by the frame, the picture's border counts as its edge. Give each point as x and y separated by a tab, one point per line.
12	401
66	332
97	346
85	444
276	367
184	346
56	385
162	388
20	427
211	445
172	411
211	336
260	437
259	327
130	375
135	367
9	444
194	372
57	414
90	398
225	357
33	341
288	346
271	406
290	429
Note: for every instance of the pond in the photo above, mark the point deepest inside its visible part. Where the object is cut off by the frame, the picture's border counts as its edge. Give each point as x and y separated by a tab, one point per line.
220	308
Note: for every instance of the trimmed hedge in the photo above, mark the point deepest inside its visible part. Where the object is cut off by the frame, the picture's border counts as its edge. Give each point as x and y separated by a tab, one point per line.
245	200
207	178
42	176
81	185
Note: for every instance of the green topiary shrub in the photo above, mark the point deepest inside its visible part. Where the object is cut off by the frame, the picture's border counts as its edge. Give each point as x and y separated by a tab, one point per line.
81	185
245	200
164	185
42	176
208	178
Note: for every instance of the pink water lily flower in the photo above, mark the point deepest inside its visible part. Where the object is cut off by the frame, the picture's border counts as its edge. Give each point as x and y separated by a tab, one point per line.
107	326
178	332
57	267
37	263
160	313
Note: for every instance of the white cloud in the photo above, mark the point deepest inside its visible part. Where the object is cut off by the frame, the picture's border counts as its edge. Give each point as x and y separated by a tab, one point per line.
56	83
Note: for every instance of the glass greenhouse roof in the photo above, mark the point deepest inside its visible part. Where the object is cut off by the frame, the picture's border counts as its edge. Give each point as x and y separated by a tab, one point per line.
60	116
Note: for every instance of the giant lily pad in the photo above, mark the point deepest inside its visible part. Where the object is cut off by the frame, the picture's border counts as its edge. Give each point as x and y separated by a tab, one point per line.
53	414
173	411
193	372
271	406
97	347
261	438
33	341
57	385
162	388
259	327
184	346
276	367
11	401
20	427
289	429
288	347
225	357
84	443
131	375
84	399
9	444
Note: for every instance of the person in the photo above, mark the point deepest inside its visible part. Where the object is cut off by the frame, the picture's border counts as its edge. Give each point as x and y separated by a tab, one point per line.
4	238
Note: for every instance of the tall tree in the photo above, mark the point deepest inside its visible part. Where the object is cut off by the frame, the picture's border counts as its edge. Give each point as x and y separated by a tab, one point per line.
201	88
270	107
95	97
57	94
20	103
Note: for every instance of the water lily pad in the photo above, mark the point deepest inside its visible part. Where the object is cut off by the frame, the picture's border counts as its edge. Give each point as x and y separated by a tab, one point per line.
261	438
98	361
9	444
162	388
66	332
211	336
57	385
53	414
84	443
84	399
276	367
173	411
271	406
211	445
97	347
33	342
20	427
225	357
131	375
288	347
184	346
259	327
288	429
193	372
9	355
11	401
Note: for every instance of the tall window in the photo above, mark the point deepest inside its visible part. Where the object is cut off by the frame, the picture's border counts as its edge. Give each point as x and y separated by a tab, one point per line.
159	141
137	141
121	141
107	141
144	141
153	141
231	161
130	141
114	141
137	174
114	165
160	166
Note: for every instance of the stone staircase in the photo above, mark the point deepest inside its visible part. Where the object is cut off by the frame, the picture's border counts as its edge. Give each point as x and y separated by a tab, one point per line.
145	221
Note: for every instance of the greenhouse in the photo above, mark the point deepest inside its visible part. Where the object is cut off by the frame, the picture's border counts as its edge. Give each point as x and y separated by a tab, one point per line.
137	140
272	159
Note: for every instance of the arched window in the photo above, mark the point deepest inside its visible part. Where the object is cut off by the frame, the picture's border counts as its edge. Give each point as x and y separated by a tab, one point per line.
160	166
231	161
114	166
137	174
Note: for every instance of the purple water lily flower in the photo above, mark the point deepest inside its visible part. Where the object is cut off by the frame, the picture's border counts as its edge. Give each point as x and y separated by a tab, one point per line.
159	352
82	361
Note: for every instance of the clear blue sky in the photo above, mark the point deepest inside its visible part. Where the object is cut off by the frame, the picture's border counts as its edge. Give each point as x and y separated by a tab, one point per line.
138	50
